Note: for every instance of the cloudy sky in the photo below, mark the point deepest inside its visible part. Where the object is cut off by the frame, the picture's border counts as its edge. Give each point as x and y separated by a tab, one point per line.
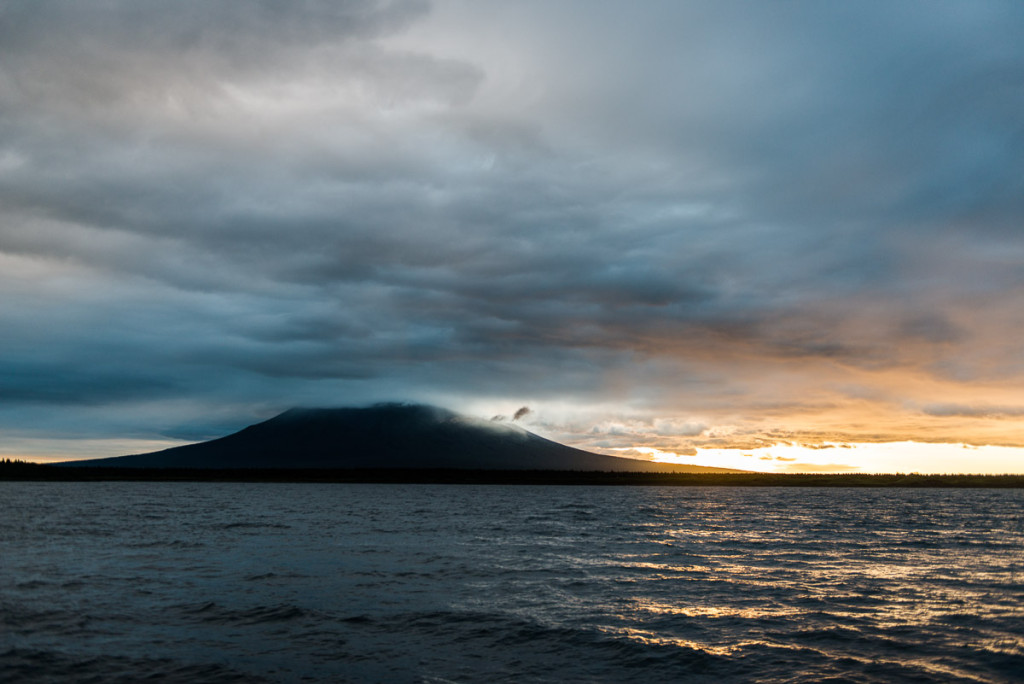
774	235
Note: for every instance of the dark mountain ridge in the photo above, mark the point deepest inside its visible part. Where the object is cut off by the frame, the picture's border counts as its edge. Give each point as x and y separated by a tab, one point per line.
400	436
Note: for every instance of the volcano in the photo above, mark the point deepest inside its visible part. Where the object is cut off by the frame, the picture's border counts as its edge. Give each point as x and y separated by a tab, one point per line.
400	436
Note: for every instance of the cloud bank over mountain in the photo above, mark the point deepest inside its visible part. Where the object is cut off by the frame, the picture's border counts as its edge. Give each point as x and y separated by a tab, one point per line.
681	226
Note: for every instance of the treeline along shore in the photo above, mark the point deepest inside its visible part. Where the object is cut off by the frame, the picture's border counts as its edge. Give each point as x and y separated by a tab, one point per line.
26	471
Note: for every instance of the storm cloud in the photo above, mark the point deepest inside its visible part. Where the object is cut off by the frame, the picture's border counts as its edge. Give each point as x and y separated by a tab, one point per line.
723	224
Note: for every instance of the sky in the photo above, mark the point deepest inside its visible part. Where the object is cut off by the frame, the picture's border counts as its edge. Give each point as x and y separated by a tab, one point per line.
783	236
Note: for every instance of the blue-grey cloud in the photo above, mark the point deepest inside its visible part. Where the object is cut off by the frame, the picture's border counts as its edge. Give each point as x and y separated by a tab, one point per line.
723	214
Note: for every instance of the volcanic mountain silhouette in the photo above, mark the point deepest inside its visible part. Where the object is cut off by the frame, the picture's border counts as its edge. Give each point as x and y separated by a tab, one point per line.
403	436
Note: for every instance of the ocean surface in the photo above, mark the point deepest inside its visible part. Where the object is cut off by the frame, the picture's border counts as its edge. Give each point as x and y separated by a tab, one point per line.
232	582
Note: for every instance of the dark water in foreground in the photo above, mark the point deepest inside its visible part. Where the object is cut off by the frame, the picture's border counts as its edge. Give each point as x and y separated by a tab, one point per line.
231	582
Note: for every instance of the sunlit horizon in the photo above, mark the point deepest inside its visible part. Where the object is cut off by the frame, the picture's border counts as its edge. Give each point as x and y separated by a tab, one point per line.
863	458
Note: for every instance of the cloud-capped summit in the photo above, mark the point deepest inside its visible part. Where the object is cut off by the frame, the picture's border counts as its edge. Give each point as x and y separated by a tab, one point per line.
384	436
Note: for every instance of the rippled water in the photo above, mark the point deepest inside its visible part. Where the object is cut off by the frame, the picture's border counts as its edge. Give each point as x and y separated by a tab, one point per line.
212	582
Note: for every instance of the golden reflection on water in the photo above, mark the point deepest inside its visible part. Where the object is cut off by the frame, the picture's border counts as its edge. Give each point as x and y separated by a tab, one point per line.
720	611
891	580
649	638
934	666
664	567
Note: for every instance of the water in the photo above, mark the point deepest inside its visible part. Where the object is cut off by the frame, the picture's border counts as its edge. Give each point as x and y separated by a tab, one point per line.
232	582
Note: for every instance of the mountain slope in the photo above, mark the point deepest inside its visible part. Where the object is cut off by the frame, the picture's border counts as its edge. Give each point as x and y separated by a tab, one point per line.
384	436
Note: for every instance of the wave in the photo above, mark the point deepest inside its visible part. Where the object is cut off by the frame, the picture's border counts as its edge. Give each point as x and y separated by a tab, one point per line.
211	612
26	666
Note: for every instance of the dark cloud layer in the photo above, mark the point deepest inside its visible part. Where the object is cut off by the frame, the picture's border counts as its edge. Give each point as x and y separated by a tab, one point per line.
778	222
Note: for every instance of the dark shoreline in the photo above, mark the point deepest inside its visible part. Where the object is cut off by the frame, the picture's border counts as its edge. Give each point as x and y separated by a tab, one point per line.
34	472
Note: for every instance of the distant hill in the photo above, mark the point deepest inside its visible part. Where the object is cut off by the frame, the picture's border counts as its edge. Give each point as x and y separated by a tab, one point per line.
384	436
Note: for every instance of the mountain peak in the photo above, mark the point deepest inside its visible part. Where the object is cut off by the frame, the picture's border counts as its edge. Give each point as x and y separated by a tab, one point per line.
391	411
391	435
